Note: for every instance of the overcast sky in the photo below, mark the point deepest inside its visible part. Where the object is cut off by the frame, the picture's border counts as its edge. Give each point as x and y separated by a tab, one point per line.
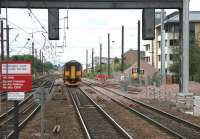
87	28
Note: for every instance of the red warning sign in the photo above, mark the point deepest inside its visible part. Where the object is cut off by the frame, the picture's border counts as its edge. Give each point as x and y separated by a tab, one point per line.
15	76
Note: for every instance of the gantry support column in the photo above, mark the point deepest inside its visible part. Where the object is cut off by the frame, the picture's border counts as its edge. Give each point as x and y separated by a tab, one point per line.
184	99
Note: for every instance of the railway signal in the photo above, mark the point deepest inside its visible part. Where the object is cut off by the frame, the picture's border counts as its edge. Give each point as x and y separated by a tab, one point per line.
53	23
148	24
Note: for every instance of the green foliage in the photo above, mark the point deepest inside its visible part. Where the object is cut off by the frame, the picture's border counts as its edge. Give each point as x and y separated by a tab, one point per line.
194	61
115	66
37	65
156	79
49	65
91	75
116	60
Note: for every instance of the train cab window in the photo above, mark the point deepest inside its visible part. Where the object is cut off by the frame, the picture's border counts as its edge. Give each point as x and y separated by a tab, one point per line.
67	67
142	71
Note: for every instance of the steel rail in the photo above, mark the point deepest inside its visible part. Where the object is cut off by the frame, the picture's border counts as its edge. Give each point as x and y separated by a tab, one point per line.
192	125
142	115
87	135
28	107
165	114
24	101
20	104
12	109
195	126
24	122
30	116
113	122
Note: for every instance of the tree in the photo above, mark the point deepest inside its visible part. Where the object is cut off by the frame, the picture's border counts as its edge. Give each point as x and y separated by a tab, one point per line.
36	65
116	60
194	61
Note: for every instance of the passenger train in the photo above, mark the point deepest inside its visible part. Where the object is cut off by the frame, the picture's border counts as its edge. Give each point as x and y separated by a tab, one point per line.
72	73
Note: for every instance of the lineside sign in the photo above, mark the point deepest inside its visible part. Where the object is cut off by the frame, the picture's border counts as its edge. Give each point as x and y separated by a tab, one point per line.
15	76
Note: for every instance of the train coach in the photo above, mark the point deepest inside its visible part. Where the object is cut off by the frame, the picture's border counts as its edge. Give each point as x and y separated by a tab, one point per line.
72	73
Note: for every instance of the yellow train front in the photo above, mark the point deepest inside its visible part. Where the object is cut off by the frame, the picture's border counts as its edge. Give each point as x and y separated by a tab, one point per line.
72	73
134	73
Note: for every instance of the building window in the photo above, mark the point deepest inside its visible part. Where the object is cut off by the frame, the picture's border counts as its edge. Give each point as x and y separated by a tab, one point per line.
148	59
192	33
176	28
174	42
158	43
172	28
171	42
147	47
167	28
170	56
158	57
192	28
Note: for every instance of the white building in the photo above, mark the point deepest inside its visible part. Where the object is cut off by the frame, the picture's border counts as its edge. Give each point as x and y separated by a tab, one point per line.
153	51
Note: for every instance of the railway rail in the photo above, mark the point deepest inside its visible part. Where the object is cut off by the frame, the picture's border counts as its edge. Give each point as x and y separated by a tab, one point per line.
166	121
94	120
27	109
6	124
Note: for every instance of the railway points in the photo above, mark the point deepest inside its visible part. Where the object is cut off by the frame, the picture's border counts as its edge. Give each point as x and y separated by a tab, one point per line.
61	111
27	109
169	122
135	126
58	111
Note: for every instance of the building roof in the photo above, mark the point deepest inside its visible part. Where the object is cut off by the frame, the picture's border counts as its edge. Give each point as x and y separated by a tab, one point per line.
142	53
149	70
174	17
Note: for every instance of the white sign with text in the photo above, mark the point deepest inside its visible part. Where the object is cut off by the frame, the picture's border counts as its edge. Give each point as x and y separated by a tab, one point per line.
16	95
16	68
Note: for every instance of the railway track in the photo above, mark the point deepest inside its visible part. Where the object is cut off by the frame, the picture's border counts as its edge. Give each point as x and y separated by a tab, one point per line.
27	109
94	120
167	122
7	123
115	85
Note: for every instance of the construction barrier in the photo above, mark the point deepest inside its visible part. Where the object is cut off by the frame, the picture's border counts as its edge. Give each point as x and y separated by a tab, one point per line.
102	77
